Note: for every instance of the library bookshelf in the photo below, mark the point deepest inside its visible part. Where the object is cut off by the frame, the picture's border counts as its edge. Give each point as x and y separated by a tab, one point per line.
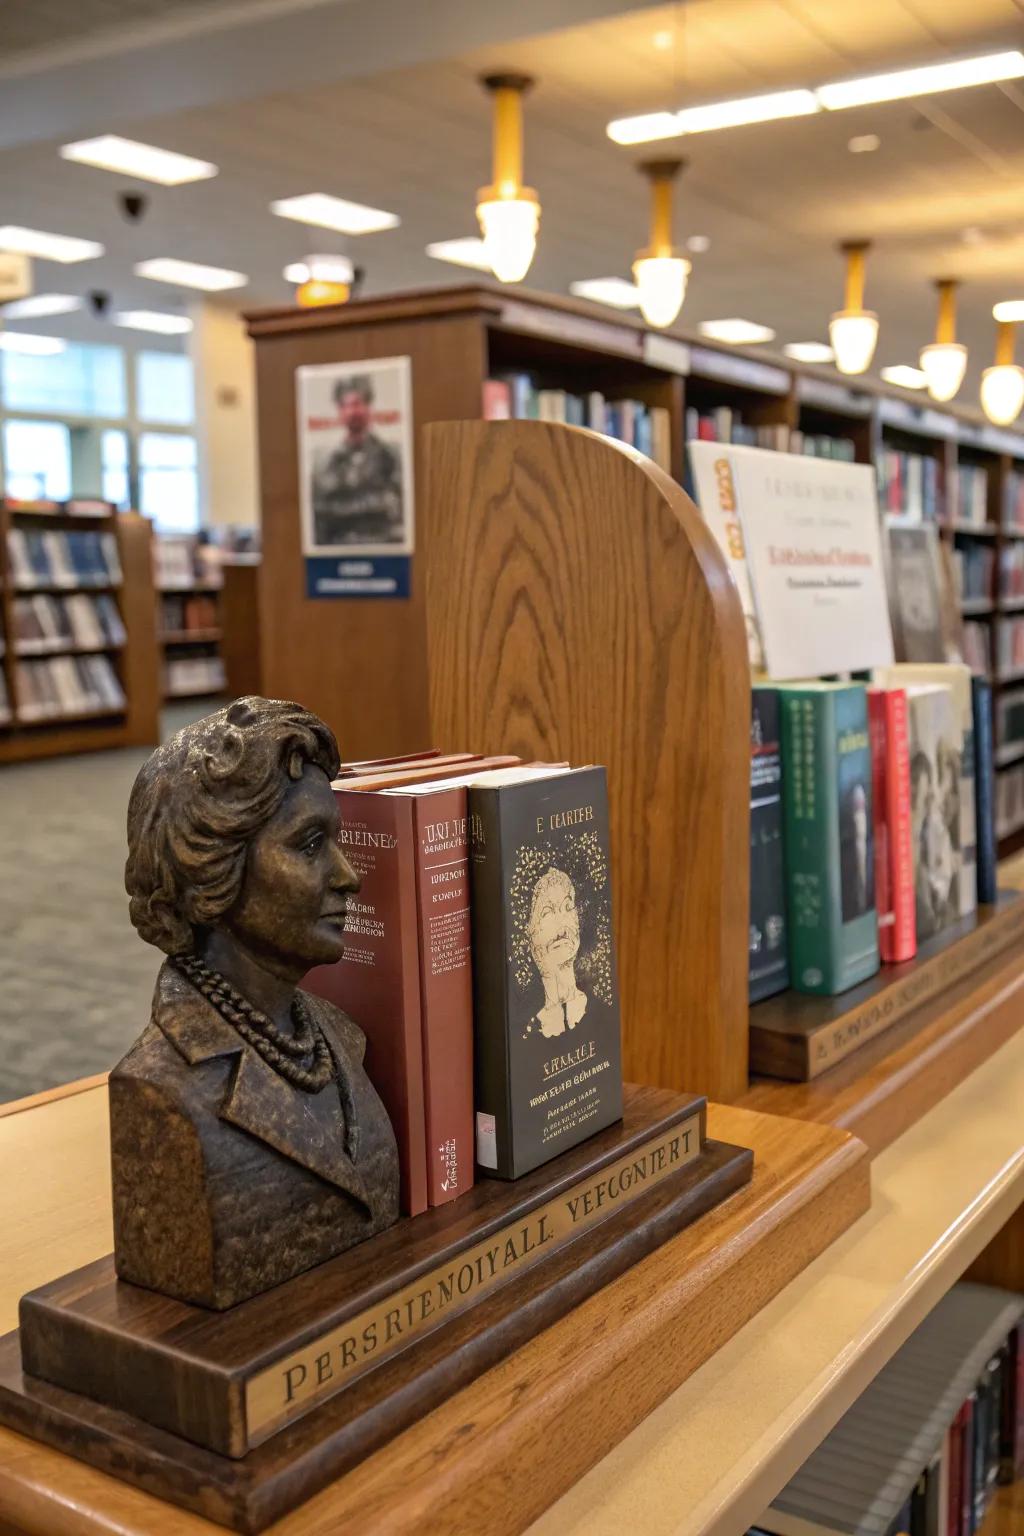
459	338
191	625
107	694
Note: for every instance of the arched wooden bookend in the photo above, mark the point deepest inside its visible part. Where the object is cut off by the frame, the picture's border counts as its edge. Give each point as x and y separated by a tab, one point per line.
578	608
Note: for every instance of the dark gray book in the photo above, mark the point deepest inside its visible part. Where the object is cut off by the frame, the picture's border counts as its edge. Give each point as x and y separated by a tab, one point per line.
545	985
769	955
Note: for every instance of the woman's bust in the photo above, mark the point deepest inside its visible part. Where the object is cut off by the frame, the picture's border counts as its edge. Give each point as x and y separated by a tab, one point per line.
247	1142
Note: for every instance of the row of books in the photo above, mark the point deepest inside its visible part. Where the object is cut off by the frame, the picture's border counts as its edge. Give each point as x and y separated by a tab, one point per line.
910	483
1013	506
1009	644
1011	570
925	1447
1010	800
974	568
872	822
65	686
179	613
515	396
479	949
726	425
1010	717
75	506
977	647
182	561
968	501
58	559
192	674
44	623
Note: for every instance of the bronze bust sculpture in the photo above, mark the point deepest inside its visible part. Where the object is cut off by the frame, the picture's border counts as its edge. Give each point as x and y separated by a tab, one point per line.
247	1142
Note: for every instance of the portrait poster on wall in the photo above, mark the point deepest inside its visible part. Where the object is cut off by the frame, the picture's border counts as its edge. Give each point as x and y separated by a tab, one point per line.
356	477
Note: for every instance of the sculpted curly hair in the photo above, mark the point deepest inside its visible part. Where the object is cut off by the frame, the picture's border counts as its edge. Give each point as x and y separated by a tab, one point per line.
197	804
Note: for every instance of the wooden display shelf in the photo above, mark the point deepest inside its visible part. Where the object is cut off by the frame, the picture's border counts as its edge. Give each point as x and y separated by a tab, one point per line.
198	691
976	530
64	589
198	585
74	717
495	1455
99	649
1011	605
975	606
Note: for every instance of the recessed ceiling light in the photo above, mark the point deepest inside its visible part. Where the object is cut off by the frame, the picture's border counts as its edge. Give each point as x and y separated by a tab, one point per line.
922	82
1008	310
863	143
190	274
748	109
972	235
41	304
809	351
607	290
466	251
905	376
737	332
662	40
111	153
334	213
153	320
642	129
37	346
698	244
48	247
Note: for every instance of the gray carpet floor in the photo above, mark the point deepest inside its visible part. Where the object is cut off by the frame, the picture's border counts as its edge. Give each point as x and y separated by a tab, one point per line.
75	980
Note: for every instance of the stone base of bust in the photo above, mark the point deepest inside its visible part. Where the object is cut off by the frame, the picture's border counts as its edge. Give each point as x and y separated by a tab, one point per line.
227	1179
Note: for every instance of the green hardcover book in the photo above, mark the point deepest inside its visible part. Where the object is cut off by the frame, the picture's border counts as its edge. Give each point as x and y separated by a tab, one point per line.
830	878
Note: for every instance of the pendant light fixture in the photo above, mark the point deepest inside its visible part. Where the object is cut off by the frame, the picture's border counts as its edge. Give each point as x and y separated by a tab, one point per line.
328	280
945	362
509	213
853	330
660	270
1002	385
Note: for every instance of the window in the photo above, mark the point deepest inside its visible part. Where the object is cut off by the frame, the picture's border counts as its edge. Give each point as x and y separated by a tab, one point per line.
114	468
80	381
37	459
164	389
168	481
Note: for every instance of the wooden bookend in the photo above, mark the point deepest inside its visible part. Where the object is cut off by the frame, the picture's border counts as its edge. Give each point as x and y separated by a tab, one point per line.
578	608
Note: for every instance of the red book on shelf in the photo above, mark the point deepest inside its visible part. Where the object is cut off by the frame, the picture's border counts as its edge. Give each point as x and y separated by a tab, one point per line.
497	404
953	1454
430	759
894	844
707	431
376	982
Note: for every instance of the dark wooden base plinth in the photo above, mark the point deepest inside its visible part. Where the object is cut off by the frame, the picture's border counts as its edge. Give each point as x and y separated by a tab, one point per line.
799	1037
225	1377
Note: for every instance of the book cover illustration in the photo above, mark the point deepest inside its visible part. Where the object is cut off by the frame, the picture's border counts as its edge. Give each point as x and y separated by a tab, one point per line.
935	808
769	960
548	1019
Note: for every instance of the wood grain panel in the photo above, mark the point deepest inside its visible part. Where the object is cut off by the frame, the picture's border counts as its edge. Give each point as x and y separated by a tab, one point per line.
240	635
359	663
578	608
885	1087
1002	1262
497	1454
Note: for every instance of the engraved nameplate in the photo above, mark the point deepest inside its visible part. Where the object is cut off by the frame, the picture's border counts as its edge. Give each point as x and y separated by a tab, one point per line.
326	1365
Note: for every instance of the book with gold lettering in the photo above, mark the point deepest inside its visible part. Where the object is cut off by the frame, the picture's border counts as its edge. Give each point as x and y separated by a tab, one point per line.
545	985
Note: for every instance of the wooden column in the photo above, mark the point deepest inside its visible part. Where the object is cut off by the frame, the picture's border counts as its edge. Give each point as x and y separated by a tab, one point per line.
359	663
578	608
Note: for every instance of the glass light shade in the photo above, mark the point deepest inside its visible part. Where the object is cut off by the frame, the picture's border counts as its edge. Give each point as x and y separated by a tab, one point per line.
853	334
1002	393
944	364
661	287
509	227
312	293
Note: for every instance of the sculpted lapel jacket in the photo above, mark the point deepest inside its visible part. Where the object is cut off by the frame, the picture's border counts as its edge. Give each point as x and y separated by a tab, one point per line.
228	1180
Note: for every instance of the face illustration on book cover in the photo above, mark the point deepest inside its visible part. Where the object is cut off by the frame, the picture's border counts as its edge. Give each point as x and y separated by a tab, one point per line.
935	824
856	862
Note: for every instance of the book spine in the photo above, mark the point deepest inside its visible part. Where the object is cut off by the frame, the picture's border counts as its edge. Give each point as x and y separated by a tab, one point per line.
446	989
808	904
491	1075
954	1461
900	828
984	788
769	963
878	729
377	979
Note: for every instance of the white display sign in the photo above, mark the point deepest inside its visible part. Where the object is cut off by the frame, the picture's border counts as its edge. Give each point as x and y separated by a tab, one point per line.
813	546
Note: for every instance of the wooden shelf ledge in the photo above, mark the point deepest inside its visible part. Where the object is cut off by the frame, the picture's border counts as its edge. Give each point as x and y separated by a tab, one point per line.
499	1452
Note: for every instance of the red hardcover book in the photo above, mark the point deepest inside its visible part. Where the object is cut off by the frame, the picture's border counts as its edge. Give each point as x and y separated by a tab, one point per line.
497	402
438	829
894	844
377	979
954	1462
965	1418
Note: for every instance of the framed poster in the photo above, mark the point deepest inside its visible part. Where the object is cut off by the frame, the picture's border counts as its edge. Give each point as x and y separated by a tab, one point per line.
922	600
354	425
813	545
